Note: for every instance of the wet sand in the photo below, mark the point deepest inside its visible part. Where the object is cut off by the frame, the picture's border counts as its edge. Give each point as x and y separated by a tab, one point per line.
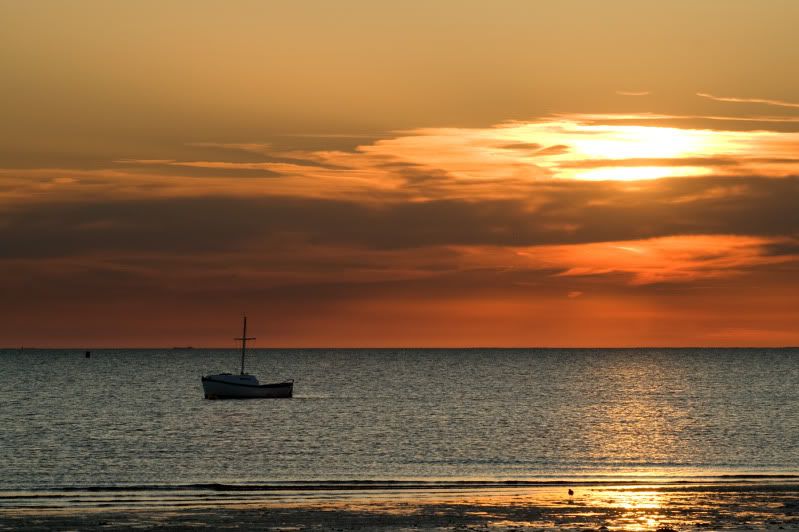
718	507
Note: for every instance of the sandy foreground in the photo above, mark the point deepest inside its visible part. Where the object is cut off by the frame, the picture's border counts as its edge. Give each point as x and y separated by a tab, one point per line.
718	507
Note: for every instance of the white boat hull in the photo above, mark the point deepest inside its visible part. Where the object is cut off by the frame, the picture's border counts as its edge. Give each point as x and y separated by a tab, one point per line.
223	388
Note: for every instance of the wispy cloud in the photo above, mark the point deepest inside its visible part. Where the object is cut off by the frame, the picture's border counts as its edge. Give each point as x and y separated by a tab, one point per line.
633	93
764	101
649	118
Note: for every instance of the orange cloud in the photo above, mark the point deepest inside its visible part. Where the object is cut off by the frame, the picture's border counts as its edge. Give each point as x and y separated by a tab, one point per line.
669	259
561	219
500	161
672	259
504	161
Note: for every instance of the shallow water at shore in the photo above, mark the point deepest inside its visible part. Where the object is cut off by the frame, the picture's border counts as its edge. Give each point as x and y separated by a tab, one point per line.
760	506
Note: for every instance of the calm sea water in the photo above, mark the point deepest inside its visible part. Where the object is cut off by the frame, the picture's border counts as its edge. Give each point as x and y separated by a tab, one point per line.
138	417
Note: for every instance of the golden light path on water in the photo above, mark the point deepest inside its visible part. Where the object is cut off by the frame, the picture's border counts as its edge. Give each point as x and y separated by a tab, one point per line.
625	507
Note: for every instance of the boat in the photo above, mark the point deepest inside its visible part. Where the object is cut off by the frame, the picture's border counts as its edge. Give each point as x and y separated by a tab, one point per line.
244	385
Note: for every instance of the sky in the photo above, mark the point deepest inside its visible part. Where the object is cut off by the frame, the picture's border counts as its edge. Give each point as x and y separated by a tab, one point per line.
399	174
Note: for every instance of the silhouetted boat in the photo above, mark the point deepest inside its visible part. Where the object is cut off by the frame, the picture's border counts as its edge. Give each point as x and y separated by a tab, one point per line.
243	386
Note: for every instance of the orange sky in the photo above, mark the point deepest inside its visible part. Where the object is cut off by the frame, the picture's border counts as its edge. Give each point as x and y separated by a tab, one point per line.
454	173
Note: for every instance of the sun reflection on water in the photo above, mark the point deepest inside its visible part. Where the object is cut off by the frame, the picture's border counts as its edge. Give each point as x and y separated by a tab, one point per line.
641	510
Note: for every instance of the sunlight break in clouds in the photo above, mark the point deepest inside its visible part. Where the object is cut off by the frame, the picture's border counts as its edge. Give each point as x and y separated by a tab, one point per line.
496	160
500	160
573	149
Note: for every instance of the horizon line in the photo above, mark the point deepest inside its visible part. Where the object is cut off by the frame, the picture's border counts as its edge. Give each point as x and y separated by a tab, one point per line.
364	348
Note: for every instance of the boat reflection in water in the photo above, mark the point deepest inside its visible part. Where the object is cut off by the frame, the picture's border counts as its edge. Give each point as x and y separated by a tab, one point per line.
244	386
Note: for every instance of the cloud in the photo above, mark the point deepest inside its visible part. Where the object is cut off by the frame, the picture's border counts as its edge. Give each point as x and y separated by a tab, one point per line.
633	93
574	148
764	101
205	168
707	162
505	161
670	259
542	213
476	217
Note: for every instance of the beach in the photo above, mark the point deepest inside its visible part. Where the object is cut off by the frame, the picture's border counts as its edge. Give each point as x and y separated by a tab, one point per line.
729	506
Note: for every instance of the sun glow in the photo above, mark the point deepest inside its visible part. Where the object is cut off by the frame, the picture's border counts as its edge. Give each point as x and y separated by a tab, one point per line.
628	153
640	142
637	173
584	149
615	149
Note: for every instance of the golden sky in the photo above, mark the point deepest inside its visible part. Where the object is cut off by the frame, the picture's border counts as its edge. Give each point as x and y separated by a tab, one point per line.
448	173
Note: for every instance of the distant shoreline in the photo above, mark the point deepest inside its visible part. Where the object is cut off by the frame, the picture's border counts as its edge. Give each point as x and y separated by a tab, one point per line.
738	481
467	348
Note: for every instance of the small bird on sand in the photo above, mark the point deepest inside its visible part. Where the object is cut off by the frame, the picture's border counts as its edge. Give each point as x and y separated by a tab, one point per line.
571	492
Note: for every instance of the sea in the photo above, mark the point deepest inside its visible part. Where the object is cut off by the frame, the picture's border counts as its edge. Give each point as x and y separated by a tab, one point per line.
137	419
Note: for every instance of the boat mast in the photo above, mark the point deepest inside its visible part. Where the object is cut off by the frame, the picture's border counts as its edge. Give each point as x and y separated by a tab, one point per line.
244	339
